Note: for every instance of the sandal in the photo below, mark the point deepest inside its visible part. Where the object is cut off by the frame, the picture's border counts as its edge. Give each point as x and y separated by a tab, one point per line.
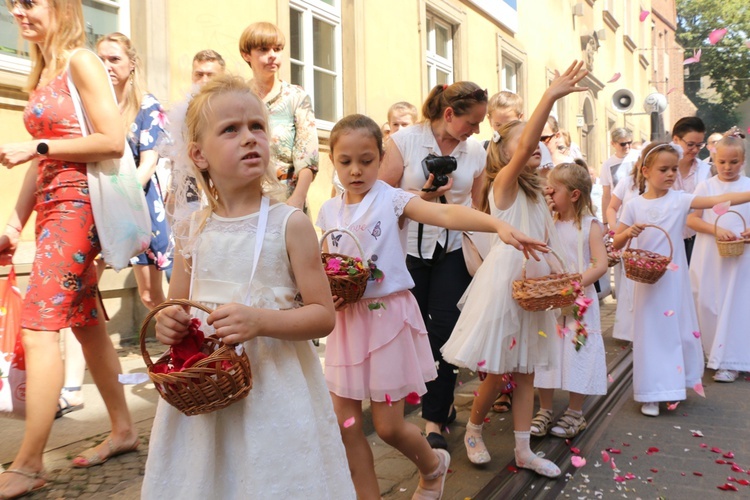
569	425
500	406
32	476
444	461
541	422
91	457
63	405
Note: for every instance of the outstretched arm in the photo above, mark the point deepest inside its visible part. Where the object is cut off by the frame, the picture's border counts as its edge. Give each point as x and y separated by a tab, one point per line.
700	202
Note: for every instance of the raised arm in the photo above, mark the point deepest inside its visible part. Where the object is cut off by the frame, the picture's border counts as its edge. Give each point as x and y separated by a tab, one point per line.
506	182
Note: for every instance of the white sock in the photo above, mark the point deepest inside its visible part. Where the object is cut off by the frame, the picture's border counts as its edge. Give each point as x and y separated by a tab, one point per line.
523	444
474	429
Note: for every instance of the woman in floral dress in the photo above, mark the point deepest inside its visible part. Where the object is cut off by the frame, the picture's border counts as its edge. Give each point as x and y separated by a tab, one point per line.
144	116
62	284
294	138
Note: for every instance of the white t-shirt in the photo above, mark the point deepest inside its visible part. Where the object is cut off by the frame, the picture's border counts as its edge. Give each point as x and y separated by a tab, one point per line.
377	228
615	169
415	143
625	192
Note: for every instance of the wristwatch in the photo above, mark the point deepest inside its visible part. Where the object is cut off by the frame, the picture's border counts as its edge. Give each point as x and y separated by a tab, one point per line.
42	148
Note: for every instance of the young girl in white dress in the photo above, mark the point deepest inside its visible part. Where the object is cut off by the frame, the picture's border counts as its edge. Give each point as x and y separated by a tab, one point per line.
379	349
248	259
721	285
582	369
625	190
667	355
493	334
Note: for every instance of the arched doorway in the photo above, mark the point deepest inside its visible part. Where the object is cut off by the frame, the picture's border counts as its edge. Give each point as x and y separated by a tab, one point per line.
588	132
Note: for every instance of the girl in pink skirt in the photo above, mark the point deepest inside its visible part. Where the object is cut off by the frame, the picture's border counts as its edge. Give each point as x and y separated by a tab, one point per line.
379	348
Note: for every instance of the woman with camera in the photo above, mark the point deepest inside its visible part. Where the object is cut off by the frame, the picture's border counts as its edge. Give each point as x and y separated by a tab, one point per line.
438	160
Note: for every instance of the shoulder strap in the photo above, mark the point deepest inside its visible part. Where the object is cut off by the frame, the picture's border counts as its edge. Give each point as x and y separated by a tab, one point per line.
83	120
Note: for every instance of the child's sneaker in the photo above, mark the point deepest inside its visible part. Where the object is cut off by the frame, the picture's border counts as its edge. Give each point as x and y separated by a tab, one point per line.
725	376
569	425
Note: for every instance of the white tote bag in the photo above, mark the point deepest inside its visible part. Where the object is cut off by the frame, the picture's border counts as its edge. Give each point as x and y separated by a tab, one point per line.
120	211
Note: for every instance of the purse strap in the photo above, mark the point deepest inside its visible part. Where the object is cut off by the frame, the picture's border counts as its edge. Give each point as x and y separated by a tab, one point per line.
83	119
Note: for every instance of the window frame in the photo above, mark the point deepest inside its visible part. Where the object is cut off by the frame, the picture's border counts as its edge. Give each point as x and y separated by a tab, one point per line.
331	14
22	66
433	60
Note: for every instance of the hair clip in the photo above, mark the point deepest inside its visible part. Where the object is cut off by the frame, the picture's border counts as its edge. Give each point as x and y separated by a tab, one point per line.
496	137
734	132
445	86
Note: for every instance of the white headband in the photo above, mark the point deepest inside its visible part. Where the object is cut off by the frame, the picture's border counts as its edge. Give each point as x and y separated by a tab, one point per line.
660	146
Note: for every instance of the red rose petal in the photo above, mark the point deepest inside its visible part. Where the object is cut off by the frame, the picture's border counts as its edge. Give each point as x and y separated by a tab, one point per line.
614	450
605	456
619	479
728	454
699	474
654	470
728	487
737	468
486	420
513	469
413	398
652	450
743	482
629	475
716	450
721	461
575	450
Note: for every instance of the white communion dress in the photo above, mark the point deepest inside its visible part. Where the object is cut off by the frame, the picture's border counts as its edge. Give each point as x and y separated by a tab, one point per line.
493	334
283	440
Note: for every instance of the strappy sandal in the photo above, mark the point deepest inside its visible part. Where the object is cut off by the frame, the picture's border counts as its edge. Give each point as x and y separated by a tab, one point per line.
541	423
444	461
32	476
63	405
500	406
91	457
569	425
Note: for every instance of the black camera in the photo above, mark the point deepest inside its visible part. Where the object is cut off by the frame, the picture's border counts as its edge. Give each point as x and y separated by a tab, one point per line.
440	167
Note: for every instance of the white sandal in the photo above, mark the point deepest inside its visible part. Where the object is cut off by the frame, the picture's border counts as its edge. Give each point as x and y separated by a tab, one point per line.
541	466
444	461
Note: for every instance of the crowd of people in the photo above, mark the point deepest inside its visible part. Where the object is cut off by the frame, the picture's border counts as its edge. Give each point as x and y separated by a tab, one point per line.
242	156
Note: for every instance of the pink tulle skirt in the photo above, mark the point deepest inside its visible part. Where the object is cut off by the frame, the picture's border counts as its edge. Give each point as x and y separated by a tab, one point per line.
374	353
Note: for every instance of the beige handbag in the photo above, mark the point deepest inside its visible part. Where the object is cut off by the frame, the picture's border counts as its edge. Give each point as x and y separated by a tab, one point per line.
476	246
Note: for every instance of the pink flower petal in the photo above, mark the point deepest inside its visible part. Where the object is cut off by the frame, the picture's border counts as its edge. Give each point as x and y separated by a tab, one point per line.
610	378
575	450
388	400
697	434
697	334
413	398
728	487
614	78
737	468
716	36
612	464
692	60
348	422
721	208
577	461
698	388
643	15
486	420
605	456
743	482
672	406
619	479
728	454
614	451
672	266
716	450
482	363
671	90
512	343
721	461
669	313
629	476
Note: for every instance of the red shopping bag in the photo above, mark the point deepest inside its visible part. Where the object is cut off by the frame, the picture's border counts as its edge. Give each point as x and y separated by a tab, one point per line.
12	362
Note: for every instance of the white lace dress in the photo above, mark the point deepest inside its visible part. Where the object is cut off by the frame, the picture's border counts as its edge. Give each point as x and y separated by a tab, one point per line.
282	441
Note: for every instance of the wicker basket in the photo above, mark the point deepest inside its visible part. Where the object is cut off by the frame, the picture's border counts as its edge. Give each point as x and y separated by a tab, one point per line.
547	292
347	287
644	266
613	256
733	248
208	385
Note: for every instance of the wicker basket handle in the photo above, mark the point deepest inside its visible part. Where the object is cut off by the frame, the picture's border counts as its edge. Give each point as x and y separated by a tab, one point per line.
152	313
351	234
669	240
559	260
716	222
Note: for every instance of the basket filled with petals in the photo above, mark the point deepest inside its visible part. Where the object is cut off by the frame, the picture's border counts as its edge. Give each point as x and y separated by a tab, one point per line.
347	275
730	248
200	374
644	266
546	292
613	255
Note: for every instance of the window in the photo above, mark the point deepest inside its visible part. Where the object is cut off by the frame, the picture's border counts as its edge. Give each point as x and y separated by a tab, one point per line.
509	76
315	55
102	17
439	54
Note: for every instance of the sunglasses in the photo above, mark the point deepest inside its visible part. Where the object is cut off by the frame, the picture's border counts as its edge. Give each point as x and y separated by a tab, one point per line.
477	95
546	138
625	144
24	4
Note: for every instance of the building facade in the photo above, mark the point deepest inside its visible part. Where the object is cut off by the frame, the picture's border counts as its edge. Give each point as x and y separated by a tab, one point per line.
362	56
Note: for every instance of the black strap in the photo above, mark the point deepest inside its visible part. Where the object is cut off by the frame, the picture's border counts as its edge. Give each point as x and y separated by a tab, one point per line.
420	232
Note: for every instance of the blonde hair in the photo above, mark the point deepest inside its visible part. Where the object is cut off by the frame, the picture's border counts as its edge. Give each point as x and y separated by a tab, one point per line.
199	114
573	176
505	100
647	159
403	106
66	32
261	35
498	156
133	97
